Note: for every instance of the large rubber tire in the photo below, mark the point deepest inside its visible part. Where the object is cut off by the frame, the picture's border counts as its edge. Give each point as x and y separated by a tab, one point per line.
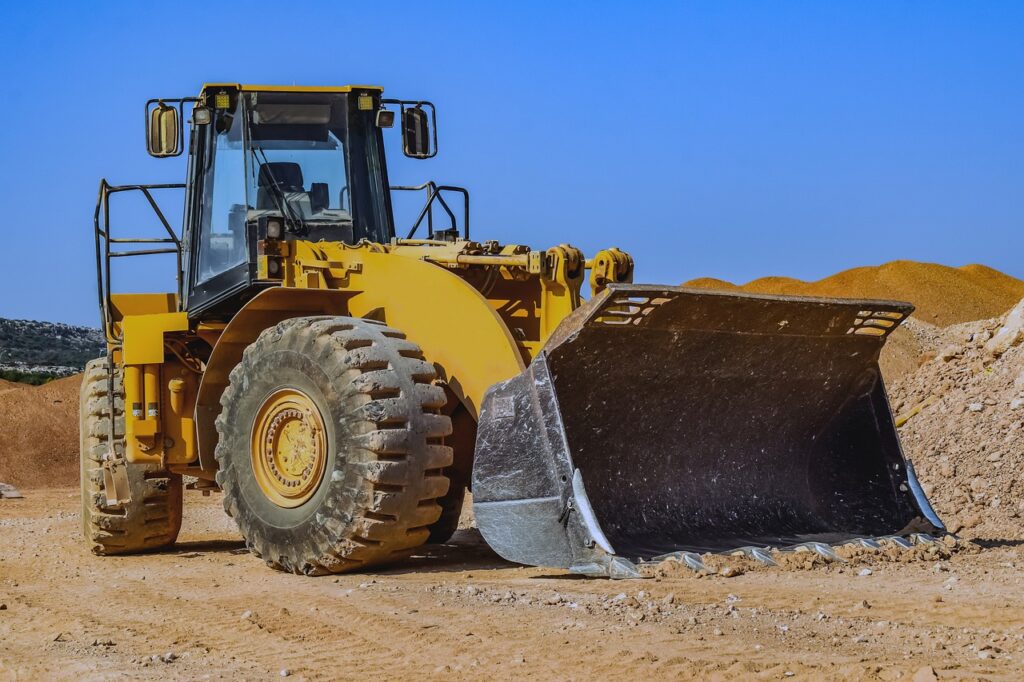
377	497
460	473
153	517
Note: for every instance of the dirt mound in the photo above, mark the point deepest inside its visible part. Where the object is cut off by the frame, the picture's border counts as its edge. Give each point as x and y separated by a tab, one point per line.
39	433
964	429
6	386
943	295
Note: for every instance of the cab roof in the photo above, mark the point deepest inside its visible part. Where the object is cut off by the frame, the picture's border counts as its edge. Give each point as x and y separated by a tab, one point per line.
293	88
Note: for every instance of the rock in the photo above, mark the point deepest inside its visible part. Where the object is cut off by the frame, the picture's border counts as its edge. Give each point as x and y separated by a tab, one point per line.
729	572
995	457
949	352
669	599
975	407
1010	334
1016	403
285	672
8	491
246	615
169	657
971	521
865	572
925	674
472	590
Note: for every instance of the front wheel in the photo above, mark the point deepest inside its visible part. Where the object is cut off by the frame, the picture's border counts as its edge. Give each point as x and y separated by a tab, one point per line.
331	445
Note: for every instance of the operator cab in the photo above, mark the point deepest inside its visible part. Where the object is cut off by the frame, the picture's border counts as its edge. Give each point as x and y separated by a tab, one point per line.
313	159
268	164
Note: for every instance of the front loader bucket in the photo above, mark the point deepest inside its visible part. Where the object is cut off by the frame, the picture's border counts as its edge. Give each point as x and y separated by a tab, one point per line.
660	419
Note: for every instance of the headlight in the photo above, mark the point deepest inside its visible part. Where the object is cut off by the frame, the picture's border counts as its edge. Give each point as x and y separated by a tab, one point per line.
201	116
275	228
385	118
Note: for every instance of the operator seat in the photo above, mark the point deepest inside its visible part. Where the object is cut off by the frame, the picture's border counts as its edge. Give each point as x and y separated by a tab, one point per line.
288	176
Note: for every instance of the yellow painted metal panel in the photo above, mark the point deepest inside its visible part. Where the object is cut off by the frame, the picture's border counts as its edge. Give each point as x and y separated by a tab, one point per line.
142	304
449	319
144	336
292	88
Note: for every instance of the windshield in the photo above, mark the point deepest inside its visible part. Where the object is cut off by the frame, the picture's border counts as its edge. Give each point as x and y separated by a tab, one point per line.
317	163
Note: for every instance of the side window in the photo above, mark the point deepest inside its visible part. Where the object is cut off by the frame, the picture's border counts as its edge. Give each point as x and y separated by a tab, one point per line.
222	224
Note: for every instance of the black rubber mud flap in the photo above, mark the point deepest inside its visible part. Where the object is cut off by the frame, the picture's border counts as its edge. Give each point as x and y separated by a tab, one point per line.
660	419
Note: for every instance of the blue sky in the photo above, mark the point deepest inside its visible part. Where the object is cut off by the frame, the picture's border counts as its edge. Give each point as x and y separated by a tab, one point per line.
724	139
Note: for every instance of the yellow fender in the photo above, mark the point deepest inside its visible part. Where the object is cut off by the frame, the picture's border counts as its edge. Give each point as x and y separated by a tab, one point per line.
451	321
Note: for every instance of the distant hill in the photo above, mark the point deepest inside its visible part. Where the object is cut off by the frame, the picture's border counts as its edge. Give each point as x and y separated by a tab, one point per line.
31	351
943	295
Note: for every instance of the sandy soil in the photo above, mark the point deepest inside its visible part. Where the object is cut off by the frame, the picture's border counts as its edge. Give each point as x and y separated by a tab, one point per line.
457	611
943	295
39	432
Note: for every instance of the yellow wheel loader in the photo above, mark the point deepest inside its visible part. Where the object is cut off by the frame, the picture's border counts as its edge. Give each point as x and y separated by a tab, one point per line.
343	386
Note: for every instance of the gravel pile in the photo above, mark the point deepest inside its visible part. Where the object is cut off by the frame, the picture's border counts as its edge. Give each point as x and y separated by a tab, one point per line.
964	423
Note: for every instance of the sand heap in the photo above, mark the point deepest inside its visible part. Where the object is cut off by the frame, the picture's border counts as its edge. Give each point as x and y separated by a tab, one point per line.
39	433
943	295
965	423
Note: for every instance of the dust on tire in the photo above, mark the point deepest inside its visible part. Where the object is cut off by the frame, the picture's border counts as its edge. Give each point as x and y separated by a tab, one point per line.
379	494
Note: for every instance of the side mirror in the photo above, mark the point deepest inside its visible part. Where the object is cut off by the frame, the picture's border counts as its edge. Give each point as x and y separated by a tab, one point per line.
419	137
163	131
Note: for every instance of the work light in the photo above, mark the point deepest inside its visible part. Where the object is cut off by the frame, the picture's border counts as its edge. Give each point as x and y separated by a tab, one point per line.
273	226
385	118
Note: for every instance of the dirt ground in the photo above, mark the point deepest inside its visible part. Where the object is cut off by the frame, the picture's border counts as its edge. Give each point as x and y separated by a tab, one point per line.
208	609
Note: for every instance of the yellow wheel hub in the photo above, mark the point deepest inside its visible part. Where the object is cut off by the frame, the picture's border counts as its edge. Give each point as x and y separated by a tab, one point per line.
289	447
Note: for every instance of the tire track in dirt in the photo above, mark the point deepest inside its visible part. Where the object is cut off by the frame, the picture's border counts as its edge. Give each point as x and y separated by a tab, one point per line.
459	611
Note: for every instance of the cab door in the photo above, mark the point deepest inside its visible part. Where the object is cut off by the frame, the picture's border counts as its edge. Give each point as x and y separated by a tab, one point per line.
220	264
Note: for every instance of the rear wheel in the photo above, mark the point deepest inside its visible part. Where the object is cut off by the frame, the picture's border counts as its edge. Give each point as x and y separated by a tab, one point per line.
152	518
330	445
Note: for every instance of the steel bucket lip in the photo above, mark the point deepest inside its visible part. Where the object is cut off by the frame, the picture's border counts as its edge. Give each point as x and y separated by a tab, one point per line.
585	315
728	293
